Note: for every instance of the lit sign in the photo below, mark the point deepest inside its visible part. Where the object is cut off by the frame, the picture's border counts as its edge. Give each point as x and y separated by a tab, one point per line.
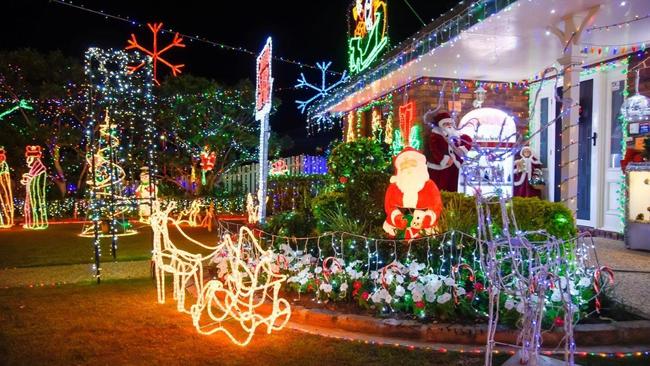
264	82
368	36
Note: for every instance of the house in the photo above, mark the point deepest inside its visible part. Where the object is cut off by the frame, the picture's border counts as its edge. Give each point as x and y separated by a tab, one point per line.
504	47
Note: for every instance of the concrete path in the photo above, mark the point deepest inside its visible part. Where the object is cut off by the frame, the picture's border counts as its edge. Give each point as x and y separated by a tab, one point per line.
631	274
55	275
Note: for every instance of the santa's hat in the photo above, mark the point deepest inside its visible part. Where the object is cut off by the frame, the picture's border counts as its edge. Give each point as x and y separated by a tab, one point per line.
409	157
33	151
438	118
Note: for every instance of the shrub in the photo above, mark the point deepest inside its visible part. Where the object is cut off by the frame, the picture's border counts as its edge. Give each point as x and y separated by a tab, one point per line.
323	205
363	155
291	223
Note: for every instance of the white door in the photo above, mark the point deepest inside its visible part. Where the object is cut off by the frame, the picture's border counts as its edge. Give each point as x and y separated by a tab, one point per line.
548	143
610	216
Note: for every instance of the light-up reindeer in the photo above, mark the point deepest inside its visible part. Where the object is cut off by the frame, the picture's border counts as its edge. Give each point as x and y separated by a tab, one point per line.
35	185
6	196
522	265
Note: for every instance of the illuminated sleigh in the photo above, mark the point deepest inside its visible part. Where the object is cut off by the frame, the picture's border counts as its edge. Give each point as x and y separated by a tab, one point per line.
182	265
243	292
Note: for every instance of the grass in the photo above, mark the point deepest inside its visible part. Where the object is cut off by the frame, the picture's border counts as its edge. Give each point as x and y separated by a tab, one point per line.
120	323
61	244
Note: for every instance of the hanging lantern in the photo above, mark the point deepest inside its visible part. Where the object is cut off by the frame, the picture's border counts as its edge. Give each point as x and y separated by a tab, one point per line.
636	107
207	163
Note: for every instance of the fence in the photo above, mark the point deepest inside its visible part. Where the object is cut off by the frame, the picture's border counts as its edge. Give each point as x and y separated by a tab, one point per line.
245	178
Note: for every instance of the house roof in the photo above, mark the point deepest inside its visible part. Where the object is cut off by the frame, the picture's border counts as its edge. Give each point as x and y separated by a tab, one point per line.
504	40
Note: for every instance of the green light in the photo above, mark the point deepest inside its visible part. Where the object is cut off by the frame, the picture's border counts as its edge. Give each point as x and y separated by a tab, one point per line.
21	104
364	50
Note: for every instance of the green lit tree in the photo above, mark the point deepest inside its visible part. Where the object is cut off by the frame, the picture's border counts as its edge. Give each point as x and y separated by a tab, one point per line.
52	85
197	114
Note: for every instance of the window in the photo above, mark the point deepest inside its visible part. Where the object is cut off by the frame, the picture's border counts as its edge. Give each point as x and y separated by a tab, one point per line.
543	138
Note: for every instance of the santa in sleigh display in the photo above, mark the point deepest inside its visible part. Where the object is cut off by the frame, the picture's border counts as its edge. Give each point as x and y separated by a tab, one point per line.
413	204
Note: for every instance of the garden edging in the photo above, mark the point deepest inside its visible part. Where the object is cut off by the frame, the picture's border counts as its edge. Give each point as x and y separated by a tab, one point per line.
617	333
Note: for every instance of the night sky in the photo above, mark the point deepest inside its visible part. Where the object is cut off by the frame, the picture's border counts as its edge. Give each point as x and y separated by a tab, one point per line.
306	31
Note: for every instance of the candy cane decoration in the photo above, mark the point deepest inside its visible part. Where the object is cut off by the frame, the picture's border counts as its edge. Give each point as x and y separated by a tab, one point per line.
456	269
327	270
282	262
383	273
598	286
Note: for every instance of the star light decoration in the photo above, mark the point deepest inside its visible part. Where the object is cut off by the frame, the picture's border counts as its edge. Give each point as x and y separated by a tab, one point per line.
321	91
156	53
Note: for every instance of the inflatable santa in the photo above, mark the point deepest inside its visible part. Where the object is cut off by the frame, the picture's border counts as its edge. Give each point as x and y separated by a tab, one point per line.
446	149
413	203
525	170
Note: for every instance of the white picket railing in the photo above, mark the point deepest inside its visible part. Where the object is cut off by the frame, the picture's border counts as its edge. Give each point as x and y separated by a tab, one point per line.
245	177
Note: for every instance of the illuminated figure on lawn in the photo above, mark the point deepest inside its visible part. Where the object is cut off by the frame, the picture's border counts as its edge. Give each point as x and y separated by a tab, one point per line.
145	192
6	197
35	182
107	181
411	189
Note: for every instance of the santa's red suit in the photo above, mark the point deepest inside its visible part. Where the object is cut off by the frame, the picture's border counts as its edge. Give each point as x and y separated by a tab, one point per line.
445	151
524	168
411	189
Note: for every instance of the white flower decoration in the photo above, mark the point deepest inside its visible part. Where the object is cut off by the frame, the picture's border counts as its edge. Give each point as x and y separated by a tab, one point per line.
444	298
344	287
399	291
325	287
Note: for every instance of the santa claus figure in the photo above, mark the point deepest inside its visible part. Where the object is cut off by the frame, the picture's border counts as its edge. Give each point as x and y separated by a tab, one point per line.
526	168
145	192
446	149
412	204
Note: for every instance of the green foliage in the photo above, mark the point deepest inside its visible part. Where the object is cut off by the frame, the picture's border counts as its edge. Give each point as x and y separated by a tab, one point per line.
364	200
322	205
363	155
291	223
459	214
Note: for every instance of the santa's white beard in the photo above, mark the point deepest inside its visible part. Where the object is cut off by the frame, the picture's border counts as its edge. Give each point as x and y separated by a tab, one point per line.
411	184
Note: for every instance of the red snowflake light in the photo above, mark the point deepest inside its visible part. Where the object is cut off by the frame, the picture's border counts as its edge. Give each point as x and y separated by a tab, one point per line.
155	53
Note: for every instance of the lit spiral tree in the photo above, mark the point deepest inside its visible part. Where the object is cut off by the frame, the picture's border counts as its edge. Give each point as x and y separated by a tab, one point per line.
127	93
6	196
108	181
35	182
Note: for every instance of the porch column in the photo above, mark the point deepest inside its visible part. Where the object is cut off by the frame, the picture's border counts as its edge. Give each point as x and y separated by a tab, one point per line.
571	62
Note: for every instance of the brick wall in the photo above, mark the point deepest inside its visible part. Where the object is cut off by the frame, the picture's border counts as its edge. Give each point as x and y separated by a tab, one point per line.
425	93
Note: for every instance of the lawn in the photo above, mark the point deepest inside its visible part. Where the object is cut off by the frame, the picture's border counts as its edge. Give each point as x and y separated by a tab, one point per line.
61	244
120	323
